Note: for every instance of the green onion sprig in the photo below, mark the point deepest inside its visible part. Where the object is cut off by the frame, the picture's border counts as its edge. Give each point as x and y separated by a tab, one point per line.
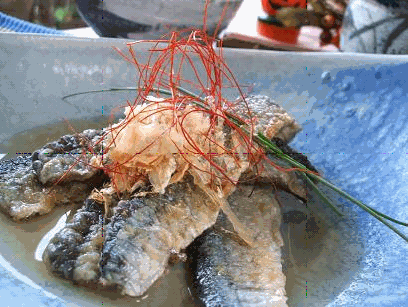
270	147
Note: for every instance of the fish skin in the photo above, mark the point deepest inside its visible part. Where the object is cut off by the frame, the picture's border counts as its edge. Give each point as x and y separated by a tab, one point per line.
226	273
138	239
287	181
19	188
54	159
271	119
74	252
23	197
146	239
27	185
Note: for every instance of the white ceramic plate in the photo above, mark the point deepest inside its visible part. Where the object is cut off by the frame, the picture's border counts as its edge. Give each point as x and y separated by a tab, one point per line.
352	108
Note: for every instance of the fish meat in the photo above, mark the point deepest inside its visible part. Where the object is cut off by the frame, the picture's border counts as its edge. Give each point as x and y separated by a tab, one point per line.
27	183
225	272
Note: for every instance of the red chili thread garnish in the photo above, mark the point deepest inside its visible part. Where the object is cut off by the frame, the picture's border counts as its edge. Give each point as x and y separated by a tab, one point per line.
163	70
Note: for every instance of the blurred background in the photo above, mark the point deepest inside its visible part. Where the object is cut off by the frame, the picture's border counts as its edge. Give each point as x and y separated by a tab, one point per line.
364	26
59	14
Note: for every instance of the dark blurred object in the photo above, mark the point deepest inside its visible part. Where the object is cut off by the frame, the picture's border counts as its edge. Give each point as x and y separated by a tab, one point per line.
294	154
376	26
152	19
294	217
105	23
17	8
396	4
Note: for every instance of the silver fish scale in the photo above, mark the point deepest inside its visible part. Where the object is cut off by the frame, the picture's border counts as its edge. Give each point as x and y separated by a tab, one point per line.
272	119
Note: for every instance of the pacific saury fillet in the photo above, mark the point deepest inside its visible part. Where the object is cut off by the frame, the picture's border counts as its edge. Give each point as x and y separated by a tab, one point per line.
227	273
137	241
27	183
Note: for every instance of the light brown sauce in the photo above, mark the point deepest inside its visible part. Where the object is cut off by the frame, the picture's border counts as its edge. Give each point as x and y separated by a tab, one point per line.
312	256
319	263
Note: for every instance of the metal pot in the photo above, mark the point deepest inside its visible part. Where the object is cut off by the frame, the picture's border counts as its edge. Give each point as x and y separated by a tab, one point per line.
150	19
